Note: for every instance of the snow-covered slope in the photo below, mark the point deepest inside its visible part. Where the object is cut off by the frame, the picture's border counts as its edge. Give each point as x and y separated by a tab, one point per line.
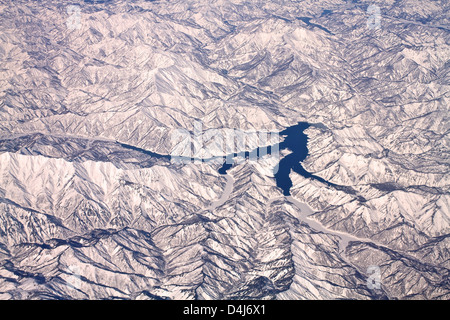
92	93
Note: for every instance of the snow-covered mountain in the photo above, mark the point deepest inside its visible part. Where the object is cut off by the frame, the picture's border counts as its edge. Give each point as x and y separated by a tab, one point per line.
93	205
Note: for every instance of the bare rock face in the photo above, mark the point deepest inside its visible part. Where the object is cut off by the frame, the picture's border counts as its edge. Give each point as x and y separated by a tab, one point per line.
94	205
